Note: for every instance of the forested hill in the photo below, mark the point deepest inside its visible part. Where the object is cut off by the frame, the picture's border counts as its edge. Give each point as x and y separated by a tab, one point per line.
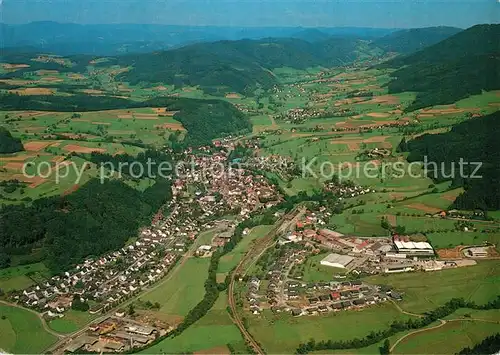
476	40
475	140
239	66
95	219
9	144
203	119
460	66
412	40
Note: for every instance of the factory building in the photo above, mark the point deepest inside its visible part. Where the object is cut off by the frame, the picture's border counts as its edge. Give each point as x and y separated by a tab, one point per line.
337	260
414	248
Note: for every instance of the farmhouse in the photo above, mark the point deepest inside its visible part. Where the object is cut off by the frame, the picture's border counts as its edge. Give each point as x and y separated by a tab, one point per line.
337	260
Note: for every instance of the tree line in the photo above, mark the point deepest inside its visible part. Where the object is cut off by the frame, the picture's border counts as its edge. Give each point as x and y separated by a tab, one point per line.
212	287
396	326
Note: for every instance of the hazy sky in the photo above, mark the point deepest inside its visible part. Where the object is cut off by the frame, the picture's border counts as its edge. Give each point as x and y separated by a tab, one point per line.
308	13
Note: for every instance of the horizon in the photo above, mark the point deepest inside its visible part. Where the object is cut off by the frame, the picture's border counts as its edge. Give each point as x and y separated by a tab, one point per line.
254	13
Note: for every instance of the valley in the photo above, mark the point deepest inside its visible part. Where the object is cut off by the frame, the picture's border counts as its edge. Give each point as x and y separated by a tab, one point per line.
280	157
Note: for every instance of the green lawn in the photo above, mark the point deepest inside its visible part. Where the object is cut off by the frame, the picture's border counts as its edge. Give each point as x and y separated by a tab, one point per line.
18	277
213	331
426	291
22	332
315	272
230	260
418	224
184	290
452	239
71	322
283	333
458	335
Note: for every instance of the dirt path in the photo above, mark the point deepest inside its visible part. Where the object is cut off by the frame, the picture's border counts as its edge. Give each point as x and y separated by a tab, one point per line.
44	323
442	323
405	312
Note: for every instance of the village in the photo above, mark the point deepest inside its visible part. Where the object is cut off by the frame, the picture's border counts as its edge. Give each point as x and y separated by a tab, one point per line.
202	198
278	283
206	198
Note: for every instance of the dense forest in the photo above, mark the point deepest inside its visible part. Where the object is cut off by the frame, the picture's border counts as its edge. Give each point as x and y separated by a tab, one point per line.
93	220
9	144
460	66
239	66
475	140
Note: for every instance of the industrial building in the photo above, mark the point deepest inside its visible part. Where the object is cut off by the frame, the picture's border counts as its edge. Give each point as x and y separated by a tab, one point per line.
337	260
391	269
414	248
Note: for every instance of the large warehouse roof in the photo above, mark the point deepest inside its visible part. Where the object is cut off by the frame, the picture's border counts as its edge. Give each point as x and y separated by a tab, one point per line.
412	245
336	260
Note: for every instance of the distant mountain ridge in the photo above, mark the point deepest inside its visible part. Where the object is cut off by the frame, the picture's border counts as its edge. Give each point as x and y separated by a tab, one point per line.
414	39
114	39
455	68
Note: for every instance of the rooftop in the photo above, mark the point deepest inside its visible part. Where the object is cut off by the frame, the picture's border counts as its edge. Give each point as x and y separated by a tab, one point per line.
334	258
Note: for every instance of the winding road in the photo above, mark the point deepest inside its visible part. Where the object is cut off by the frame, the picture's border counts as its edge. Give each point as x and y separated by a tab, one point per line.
442	323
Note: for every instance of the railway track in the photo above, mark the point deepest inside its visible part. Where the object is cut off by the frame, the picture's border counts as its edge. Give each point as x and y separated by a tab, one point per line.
251	256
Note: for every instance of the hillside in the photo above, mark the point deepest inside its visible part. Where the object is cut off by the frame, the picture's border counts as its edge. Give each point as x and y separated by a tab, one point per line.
203	119
9	144
239	66
412	40
460	66
475	140
97	218
311	35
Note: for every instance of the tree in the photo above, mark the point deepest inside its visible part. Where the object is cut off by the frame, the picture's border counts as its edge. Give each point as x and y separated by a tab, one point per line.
4	260
131	310
9	144
386	348
78	305
384	223
400	229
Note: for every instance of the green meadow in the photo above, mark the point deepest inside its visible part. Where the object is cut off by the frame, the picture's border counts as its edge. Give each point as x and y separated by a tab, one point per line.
22	332
212	333
424	291
183	290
